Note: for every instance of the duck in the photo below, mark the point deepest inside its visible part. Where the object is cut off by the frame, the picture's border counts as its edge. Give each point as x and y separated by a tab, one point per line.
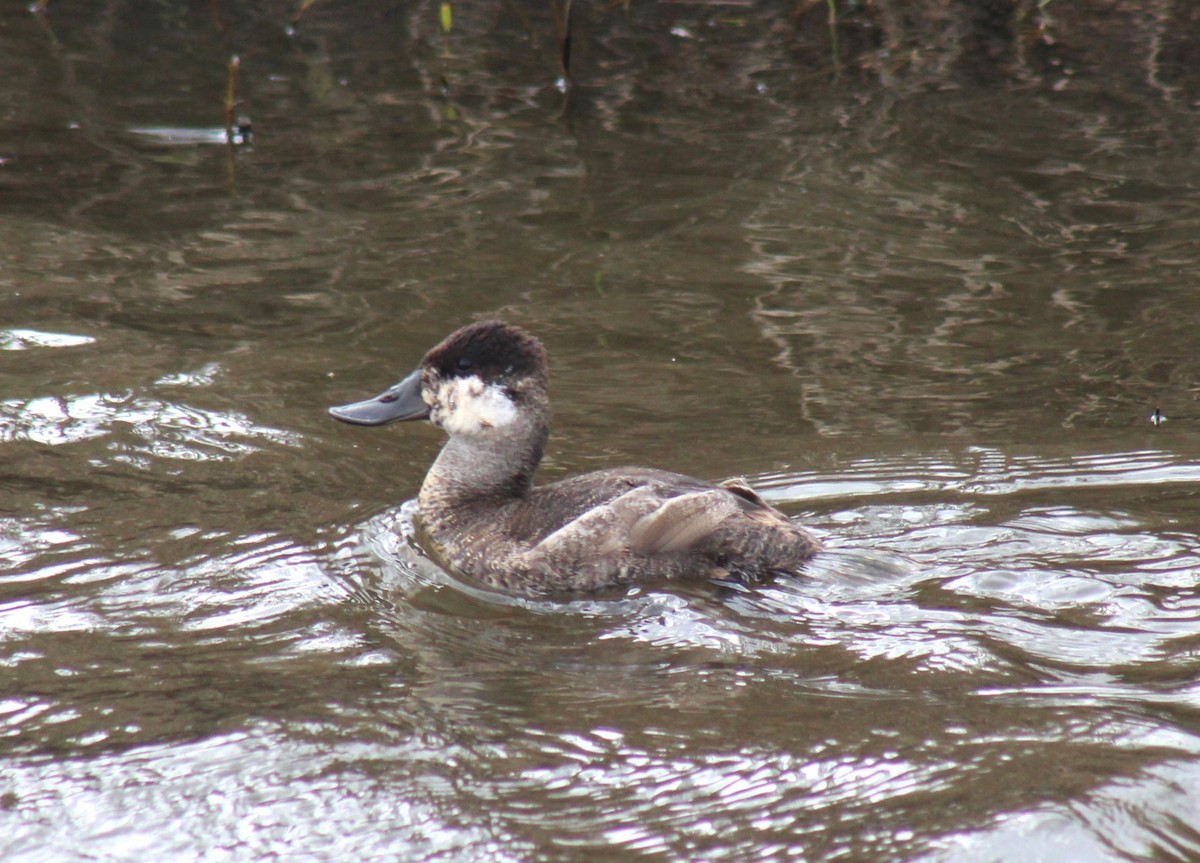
486	386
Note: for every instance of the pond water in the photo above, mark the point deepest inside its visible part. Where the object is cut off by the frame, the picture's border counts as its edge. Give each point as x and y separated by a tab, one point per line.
927	306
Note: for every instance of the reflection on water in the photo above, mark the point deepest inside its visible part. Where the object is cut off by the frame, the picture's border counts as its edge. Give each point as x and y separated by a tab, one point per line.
165	430
20	340
927	307
957	638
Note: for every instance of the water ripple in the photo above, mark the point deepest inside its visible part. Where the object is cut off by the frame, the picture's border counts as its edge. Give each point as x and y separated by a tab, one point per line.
22	340
146	426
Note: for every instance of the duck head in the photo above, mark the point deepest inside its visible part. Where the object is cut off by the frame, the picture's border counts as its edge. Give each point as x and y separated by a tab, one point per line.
480	378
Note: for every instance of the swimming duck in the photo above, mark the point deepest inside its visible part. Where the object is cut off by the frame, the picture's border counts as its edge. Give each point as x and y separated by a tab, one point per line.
485	385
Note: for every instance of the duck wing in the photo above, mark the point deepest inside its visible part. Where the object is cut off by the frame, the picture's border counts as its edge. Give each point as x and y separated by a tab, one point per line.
655	519
681	522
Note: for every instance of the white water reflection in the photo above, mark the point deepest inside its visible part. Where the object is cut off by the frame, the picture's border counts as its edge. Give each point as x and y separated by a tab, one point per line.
1144	820
146	426
201	377
174	136
657	801
23	340
239	795
983	471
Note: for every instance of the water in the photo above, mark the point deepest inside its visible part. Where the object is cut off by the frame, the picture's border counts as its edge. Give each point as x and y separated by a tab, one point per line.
928	308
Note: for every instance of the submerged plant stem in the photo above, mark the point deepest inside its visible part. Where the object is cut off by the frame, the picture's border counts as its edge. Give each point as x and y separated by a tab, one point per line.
833	37
231	96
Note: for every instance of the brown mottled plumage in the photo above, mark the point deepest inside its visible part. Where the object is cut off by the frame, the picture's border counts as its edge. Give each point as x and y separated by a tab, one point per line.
485	385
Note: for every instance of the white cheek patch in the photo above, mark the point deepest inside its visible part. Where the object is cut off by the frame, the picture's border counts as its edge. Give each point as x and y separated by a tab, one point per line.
469	406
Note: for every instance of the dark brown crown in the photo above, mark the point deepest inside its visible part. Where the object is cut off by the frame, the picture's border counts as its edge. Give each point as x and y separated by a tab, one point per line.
491	350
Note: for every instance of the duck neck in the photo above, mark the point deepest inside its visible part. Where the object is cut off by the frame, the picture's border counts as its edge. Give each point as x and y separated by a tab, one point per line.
473	469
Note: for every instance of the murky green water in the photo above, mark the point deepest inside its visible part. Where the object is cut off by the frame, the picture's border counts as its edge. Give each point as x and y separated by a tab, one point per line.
930	322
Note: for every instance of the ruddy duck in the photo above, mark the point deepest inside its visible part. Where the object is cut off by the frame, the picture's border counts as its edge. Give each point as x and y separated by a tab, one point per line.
485	386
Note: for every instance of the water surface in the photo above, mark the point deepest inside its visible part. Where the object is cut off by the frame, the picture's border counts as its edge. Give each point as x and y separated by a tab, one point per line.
928	310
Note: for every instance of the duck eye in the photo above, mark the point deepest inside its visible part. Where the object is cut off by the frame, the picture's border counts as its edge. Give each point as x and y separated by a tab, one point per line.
464	364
